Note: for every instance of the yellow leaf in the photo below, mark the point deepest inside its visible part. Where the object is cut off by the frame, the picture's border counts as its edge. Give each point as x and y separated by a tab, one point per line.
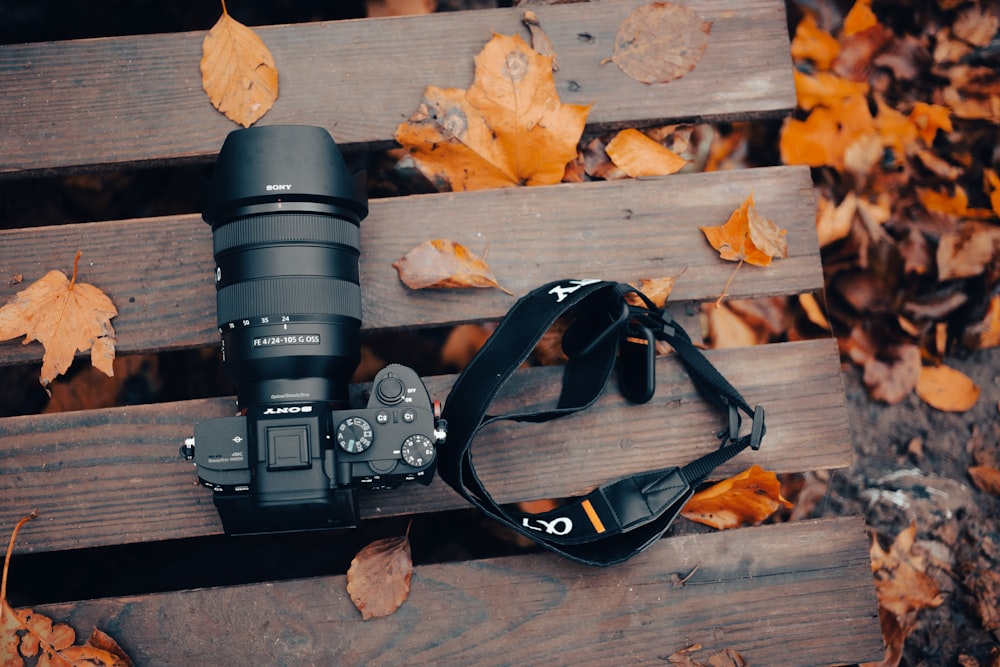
825	89
967	251
65	317
508	129
993	188
860	18
237	71
947	389
813	43
638	155
746	499
929	118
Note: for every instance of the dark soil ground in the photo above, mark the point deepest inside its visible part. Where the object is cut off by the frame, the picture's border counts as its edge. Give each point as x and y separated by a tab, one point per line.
911	468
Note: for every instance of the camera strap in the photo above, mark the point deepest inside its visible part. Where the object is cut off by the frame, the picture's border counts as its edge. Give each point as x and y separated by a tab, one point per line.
620	518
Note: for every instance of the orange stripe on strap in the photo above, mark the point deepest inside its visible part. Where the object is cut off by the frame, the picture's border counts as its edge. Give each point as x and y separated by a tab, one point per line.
592	515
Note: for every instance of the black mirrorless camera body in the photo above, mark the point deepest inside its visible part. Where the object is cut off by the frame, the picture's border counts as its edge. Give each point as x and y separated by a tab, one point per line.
285	214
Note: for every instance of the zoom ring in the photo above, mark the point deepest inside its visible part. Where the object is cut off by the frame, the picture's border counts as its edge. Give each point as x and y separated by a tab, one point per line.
289	296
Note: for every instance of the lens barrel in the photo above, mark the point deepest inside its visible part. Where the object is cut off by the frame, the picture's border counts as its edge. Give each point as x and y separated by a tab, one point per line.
285	214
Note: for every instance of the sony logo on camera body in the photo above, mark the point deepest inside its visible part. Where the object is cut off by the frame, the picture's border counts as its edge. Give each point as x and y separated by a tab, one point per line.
273	188
289	410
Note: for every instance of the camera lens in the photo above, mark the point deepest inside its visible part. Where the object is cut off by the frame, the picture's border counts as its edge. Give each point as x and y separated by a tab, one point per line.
285	214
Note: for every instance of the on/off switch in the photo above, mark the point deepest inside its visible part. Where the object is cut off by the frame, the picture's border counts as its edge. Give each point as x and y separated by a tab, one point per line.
390	390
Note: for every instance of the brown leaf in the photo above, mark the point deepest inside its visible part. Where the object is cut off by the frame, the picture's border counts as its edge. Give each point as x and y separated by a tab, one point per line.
745	499
378	580
102	641
444	263
660	42
508	129
237	71
375	8
986	479
947	389
901	583
540	41
638	155
66	317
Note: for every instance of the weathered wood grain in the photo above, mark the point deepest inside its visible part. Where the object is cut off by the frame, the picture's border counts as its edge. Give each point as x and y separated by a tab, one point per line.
791	594
159	271
114	476
138	99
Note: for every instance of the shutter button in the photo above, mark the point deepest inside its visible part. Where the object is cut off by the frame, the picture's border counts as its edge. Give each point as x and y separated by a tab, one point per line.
390	390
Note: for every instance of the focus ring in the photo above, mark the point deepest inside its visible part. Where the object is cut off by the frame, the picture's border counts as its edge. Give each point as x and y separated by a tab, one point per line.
275	228
290	295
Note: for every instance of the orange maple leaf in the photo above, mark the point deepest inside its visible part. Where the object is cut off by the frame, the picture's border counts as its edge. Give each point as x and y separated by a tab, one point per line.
745	499
746	237
237	71
66	317
509	128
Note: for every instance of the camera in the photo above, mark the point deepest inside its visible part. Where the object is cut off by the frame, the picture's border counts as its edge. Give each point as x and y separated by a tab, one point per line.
285	213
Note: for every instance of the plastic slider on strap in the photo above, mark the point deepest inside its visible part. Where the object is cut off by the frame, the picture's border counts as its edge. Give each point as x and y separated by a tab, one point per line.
758	429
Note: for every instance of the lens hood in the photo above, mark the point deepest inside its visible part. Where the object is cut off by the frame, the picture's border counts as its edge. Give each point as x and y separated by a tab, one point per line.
282	168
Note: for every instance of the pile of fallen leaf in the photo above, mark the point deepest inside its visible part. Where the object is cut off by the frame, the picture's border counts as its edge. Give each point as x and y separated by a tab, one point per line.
898	116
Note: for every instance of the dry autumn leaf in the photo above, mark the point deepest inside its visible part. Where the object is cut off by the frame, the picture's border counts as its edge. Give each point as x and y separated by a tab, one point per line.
986	479
745	499
638	155
657	289
65	317
27	634
378	580
444	263
903	589
947	389
237	71
508	129
747	237
660	42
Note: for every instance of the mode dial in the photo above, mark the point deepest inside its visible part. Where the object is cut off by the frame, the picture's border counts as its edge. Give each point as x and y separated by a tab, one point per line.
355	435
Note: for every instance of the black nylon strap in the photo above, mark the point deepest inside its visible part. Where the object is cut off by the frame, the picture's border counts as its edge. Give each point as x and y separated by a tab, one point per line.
620	518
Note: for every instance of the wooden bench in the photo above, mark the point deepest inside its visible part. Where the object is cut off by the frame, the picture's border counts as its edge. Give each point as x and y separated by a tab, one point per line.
795	593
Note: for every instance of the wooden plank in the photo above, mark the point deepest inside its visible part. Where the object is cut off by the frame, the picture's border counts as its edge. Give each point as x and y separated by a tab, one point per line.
790	594
159	272
138	99
114	476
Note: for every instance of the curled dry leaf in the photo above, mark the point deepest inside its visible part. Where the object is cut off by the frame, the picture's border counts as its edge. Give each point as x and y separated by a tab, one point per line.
508	129
378	580
444	263
638	155
745	499
947	389
27	634
903	588
237	71
660	42
65	317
